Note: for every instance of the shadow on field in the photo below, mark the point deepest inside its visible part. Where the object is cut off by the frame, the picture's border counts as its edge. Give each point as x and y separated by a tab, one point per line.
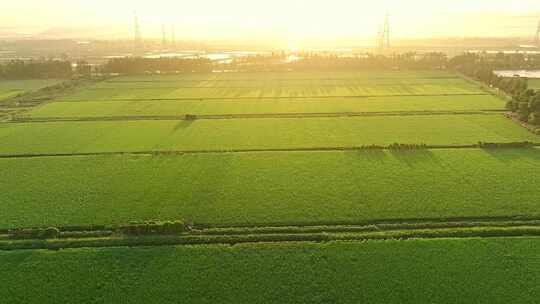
508	155
413	158
374	156
183	124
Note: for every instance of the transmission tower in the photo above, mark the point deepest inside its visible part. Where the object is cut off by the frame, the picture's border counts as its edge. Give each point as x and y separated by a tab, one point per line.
387	31
137	42
537	39
383	37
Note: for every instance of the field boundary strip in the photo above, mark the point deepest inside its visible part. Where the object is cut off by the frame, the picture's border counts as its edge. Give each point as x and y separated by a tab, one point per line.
44	119
274	98
253	87
382	224
391	223
276	79
411	147
106	239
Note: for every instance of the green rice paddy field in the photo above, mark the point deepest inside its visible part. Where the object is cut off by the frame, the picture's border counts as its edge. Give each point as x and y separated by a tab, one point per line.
260	90
271	133
230	93
232	106
269	188
11	88
228	187
252	86
534	84
405	75
416	271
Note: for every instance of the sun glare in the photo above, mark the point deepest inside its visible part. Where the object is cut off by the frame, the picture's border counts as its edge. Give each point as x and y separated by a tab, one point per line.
248	19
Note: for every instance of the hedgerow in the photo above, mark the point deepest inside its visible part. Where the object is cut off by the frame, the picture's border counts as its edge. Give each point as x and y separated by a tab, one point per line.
35	233
154	228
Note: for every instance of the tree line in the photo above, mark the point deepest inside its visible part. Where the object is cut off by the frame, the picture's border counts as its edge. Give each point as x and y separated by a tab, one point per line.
525	102
140	65
527	106
307	61
277	61
34	69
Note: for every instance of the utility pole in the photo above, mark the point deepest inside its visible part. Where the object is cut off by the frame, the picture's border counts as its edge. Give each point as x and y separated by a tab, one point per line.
383	36
387	30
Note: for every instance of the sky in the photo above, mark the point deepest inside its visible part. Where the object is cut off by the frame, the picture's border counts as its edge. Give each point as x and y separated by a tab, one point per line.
288	19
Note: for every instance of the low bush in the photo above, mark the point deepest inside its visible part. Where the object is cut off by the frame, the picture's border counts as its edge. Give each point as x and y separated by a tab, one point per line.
35	233
397	146
534	118
85	234
511	106
154	228
163	240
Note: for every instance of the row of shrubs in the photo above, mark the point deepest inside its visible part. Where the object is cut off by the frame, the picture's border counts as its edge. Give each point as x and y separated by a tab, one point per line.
35	233
236	239
155	228
137	228
55	233
395	146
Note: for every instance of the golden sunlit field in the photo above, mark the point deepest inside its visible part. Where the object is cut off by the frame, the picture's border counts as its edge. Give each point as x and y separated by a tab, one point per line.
270	152
272	162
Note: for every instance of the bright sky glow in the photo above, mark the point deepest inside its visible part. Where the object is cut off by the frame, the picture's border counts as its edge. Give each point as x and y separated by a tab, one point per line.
290	19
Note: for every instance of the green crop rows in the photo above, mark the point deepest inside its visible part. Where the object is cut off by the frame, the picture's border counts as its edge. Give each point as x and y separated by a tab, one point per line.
217	94
238	134
415	271
534	84
269	188
290	158
15	87
313	105
261	86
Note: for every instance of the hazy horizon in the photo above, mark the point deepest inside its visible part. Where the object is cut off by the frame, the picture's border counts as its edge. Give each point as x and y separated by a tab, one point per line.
288	20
